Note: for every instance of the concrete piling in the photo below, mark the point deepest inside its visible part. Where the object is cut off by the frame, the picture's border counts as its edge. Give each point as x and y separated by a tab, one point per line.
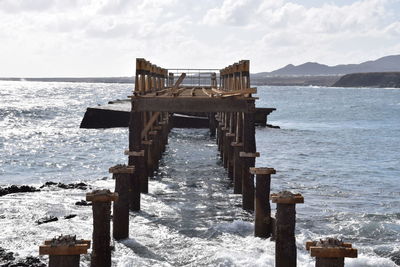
121	174
101	253
262	221
285	246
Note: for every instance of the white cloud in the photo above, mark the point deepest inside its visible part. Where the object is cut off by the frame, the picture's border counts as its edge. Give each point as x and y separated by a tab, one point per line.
232	12
103	37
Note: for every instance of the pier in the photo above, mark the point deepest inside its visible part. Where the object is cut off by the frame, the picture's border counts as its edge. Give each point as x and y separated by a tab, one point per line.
230	109
225	102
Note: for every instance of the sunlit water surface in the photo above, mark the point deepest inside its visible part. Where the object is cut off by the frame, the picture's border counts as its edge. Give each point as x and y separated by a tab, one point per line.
338	147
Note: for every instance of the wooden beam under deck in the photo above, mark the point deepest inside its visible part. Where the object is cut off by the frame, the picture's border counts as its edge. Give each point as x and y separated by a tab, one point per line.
193	104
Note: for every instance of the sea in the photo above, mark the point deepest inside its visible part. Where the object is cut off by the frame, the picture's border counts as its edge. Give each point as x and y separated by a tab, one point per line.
338	147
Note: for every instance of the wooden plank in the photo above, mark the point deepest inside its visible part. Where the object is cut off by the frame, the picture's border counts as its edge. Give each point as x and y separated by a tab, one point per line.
207	93
134	153
262	171
179	81
193	104
150	123
296	198
249	155
102	197
235	92
82	241
63	250
333	252
122	169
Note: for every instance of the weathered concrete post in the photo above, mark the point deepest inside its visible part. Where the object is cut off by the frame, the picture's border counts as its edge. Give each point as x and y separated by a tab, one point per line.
212	123
249	157
262	221
64	251
285	246
248	179
136	157
156	147
101	253
229	154
237	148
135	180
148	147
330	252
121	174
237	167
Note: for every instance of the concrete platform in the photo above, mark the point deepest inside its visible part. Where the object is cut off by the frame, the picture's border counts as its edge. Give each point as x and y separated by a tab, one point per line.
116	114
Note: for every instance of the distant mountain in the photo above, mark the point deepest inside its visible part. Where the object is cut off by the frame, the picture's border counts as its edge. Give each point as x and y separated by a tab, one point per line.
384	64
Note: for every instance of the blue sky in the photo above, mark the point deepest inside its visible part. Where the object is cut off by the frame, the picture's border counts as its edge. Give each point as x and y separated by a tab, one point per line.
103	37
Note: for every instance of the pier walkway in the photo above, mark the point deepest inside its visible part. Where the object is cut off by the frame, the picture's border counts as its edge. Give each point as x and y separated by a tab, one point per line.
226	97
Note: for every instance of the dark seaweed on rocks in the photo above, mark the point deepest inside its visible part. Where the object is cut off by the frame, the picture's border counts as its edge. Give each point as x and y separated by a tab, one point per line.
47	219
80	185
17	189
7	259
70	216
83	203
6	256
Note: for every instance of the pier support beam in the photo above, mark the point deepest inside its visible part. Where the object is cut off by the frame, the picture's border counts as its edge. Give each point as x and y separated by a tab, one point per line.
121	174
237	167
136	158
262	221
249	155
213	123
285	246
101	253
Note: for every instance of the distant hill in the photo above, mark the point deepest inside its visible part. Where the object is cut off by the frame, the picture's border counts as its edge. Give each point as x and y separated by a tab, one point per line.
384	64
372	79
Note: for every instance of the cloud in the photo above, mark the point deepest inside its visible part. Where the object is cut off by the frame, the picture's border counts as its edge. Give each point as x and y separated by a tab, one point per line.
232	12
102	37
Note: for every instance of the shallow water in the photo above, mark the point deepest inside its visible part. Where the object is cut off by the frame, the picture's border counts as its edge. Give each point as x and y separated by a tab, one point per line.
338	147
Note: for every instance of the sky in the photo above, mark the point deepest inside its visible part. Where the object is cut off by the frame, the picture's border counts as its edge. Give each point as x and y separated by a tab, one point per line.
94	38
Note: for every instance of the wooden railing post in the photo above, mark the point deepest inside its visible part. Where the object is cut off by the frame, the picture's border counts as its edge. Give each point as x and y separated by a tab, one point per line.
285	246
121	174
262	221
101	205
330	252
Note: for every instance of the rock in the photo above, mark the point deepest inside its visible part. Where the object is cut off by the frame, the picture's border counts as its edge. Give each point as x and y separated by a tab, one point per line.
47	219
6	256
17	189
70	216
7	259
28	262
273	126
83	203
80	185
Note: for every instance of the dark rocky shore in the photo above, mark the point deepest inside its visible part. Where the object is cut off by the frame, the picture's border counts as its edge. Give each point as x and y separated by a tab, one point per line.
373	79
27	189
7	259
